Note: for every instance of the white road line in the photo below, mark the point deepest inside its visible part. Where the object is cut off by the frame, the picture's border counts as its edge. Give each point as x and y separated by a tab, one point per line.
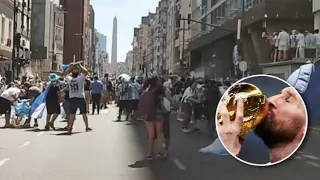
40	133
179	164
313	164
311	157
297	157
25	144
3	161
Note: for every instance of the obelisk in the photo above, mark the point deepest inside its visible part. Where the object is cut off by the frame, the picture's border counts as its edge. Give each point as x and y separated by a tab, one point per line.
114	48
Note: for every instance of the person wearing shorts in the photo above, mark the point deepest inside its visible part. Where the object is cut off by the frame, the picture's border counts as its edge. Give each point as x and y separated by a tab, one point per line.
77	96
284	41
7	97
53	100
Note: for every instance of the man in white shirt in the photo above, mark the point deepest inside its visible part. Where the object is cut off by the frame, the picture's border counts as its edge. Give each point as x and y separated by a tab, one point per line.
6	99
284	40
301	45
317	35
76	94
308	37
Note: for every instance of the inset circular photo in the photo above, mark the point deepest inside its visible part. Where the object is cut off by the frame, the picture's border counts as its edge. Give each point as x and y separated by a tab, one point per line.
261	120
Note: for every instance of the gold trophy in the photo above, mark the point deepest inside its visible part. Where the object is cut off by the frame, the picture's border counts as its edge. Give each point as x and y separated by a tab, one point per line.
255	106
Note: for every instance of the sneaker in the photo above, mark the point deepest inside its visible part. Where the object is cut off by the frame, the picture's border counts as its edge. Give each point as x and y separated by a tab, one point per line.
149	157
186	130
35	125
88	129
165	153
180	119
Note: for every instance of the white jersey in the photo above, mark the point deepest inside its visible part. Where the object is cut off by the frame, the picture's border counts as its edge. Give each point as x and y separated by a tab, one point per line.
76	87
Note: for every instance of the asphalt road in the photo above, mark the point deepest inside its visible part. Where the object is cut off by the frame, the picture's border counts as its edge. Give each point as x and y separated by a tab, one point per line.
115	151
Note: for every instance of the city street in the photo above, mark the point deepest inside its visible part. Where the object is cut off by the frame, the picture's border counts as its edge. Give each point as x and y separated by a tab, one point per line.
115	151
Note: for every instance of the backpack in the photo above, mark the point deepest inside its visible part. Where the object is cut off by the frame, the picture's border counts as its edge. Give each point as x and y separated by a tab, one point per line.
301	77
306	81
146	105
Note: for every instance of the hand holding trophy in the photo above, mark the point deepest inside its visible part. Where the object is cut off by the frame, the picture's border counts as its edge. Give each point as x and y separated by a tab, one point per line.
242	108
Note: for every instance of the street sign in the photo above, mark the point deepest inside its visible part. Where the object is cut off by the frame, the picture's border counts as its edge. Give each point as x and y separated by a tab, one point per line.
243	66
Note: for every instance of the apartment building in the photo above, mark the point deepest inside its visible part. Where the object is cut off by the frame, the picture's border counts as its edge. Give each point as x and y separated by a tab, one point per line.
87	33
75	31
182	37
211	48
170	54
142	42
153	44
6	36
47	30
92	38
129	63
162	62
135	50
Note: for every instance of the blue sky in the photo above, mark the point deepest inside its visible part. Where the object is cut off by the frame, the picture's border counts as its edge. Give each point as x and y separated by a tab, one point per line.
128	13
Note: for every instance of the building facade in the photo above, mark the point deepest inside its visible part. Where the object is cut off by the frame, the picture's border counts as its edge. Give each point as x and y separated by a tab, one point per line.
102	42
74	32
181	62
129	63
211	47
92	38
6	36
47	25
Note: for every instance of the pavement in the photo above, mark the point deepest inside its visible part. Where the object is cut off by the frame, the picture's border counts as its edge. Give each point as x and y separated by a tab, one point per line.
115	151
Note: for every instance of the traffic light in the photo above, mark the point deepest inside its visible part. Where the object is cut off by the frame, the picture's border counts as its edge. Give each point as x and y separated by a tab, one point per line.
189	19
178	20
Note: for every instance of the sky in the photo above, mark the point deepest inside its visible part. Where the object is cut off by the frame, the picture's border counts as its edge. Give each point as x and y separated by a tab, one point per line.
128	13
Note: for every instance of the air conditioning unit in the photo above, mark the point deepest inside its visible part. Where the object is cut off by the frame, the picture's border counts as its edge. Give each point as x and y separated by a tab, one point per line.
23	43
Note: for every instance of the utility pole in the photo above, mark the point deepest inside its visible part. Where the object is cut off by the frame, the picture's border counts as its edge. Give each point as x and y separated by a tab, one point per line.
13	58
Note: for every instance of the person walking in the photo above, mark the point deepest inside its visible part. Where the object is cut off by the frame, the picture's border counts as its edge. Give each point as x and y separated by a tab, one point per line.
96	90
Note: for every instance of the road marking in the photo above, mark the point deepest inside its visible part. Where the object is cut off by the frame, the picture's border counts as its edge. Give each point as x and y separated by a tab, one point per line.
312	157
179	164
297	157
40	133
25	144
299	152
313	164
4	161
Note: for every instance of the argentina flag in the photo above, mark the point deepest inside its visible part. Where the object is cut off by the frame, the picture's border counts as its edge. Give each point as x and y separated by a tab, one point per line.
39	105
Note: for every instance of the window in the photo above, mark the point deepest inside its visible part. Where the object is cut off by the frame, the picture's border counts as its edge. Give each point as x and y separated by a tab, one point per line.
10	30
3	25
213	2
203	26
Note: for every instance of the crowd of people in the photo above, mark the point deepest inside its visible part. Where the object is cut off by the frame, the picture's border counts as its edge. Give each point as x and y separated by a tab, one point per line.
287	46
149	99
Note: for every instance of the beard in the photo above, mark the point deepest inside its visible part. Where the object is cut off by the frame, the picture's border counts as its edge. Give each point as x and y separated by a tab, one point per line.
274	132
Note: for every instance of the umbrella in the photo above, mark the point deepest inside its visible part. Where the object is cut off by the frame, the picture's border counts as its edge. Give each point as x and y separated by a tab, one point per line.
124	77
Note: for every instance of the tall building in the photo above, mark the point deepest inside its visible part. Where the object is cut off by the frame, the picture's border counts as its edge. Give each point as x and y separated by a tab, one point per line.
47	29
22	36
114	47
75	32
102	42
6	37
92	38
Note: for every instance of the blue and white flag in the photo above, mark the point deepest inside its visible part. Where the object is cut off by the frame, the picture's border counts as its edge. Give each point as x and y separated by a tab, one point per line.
216	148
39	105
